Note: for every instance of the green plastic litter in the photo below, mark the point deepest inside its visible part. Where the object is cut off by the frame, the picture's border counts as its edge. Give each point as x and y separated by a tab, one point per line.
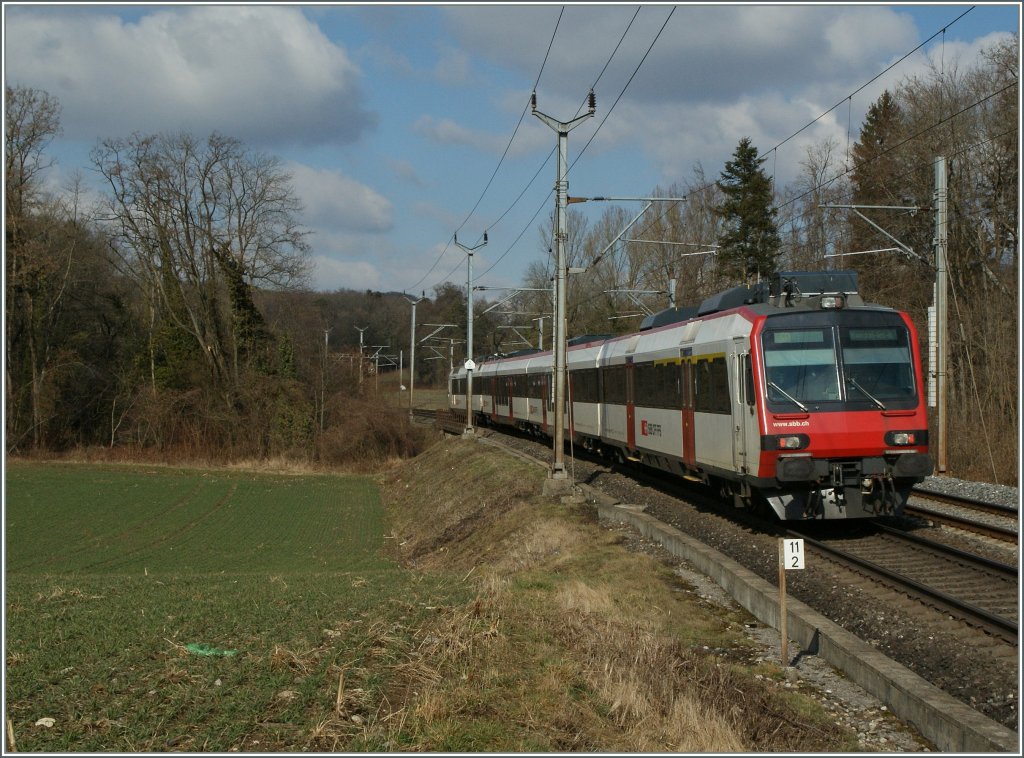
202	649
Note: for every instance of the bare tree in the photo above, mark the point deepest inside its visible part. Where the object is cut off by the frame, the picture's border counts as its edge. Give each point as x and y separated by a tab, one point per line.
197	224
812	233
38	256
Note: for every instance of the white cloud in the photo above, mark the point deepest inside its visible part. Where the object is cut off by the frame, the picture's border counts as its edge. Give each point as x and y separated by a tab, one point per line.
336	202
867	33
333	274
263	73
406	171
447	132
705	52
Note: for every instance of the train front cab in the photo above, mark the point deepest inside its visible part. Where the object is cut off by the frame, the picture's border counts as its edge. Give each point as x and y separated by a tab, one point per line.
843	429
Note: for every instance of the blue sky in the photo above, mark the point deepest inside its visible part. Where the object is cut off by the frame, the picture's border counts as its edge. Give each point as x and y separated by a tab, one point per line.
392	119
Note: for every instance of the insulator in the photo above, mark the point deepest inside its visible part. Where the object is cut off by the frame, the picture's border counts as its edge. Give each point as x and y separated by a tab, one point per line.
533	101
592	100
485	236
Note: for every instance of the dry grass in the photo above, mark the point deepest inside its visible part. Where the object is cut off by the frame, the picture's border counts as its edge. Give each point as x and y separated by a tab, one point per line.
571	643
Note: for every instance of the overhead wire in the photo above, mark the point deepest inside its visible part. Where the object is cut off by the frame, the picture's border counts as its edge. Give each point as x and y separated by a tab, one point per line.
625	87
670	207
501	159
873	79
617	99
551	154
899	144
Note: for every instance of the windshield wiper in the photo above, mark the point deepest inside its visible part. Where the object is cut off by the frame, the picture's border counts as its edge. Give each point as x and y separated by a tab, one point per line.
792	399
872	398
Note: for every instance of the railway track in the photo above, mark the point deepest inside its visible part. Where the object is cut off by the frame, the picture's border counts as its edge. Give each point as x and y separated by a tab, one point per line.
993	520
444	419
979	591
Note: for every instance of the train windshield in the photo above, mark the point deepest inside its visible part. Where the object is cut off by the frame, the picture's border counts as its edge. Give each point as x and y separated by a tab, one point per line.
800	366
833	367
877	363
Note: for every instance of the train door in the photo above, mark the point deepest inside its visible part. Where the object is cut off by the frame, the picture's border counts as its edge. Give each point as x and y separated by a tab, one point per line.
687	402
545	398
630	406
739	368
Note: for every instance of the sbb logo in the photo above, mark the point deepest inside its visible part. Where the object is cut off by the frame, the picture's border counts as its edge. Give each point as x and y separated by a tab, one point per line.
649	430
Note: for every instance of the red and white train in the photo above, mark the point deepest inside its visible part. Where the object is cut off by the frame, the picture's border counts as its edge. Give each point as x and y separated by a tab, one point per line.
792	394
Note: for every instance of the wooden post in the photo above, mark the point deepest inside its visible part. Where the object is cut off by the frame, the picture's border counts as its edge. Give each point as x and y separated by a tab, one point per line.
782	604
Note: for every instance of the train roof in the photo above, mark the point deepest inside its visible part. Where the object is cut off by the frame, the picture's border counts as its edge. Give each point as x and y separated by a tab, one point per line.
784	291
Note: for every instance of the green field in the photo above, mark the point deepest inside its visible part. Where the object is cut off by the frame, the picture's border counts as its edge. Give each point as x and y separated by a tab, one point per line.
112	572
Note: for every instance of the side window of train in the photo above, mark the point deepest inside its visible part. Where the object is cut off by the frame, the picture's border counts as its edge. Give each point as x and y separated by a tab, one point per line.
748	381
657	385
583	385
712	385
614	380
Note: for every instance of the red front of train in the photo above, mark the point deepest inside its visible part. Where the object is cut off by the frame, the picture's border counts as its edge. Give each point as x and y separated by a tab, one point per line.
841	410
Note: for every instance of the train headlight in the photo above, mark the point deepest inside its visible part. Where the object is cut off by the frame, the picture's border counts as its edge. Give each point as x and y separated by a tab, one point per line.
907	438
785	442
832	301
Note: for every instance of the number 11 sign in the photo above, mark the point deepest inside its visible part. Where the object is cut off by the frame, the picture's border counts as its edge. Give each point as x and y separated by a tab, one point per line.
791	556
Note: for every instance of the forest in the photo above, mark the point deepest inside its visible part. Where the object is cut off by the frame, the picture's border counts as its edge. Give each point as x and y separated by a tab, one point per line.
175	320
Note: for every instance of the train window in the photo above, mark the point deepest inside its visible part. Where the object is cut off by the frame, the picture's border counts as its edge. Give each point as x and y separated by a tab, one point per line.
657	385
800	367
614	381
748	380
519	385
711	379
583	385
877	363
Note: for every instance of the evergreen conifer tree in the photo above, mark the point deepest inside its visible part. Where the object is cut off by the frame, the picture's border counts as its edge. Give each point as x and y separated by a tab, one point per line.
749	246
874	163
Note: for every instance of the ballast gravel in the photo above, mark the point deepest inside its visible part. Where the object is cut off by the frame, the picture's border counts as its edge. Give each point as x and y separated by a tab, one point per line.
1000	494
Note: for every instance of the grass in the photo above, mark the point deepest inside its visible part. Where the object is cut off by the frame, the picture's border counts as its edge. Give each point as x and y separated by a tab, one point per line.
113	571
443	607
572	643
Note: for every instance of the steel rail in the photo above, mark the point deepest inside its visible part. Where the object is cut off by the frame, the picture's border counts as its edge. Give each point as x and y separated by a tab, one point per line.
967	502
1003	533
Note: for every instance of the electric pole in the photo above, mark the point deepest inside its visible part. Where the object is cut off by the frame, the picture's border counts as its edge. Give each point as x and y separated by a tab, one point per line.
940	305
412	349
557	482
323	379
540	331
470	366
361	329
